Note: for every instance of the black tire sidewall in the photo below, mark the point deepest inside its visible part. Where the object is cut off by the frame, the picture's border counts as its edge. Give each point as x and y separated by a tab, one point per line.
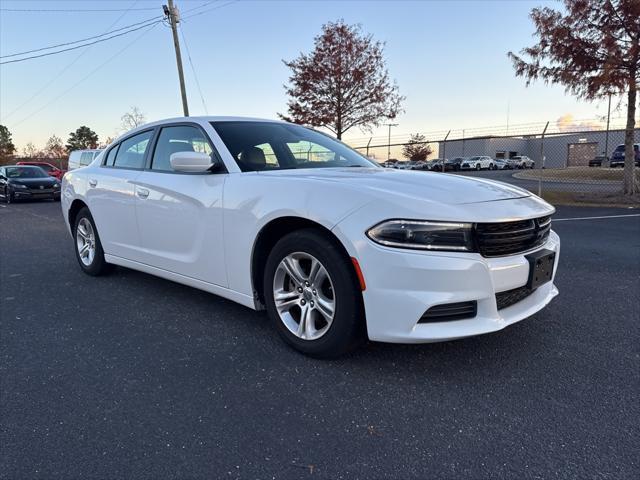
99	265
348	328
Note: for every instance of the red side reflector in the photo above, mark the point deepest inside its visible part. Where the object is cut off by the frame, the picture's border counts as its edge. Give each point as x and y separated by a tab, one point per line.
356	265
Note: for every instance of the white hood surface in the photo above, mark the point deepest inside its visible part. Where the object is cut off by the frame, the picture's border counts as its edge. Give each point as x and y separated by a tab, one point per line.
417	186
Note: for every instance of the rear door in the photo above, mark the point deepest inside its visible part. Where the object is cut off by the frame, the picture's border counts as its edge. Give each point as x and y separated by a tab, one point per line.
180	214
111	195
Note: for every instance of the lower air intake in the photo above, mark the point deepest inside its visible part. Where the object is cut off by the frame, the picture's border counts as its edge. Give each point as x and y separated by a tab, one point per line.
450	311
511	297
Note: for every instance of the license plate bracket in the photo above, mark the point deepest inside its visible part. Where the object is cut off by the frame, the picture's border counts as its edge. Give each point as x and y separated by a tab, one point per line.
540	267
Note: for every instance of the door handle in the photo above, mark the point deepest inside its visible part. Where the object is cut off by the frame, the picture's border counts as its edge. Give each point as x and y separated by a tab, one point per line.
93	182
142	192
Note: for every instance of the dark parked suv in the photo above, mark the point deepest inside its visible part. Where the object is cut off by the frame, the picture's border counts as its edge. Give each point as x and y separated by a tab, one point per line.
617	158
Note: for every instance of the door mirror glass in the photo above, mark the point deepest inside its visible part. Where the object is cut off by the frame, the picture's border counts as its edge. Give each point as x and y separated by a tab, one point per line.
191	162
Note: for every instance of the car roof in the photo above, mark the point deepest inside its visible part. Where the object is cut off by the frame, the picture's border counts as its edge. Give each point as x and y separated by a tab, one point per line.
196	119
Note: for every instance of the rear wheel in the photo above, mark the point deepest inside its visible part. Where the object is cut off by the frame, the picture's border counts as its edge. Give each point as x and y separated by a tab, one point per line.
88	248
478	167
312	295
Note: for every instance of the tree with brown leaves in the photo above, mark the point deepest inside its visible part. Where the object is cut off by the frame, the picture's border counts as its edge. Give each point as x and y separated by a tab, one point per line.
593	49
417	148
343	83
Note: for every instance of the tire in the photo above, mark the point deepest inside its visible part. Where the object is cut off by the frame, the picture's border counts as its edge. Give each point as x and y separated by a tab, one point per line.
478	166
491	167
336	286
92	264
8	196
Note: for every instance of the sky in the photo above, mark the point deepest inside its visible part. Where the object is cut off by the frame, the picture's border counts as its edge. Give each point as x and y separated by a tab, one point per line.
449	59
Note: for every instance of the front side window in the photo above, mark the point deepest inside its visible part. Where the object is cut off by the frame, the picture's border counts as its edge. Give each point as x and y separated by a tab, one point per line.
278	146
183	138
131	151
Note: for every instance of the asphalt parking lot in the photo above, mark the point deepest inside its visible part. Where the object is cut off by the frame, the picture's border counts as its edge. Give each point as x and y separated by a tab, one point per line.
131	376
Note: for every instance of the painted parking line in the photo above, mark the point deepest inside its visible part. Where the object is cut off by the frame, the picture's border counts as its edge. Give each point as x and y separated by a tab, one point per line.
596	218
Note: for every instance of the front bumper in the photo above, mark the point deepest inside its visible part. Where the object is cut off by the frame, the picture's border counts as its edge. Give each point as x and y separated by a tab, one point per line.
403	284
49	194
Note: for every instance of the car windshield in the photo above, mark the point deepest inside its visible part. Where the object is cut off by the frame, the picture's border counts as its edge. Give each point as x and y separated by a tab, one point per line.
26	172
278	146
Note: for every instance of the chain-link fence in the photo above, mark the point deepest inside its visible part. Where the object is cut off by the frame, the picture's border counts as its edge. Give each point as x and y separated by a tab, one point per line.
562	164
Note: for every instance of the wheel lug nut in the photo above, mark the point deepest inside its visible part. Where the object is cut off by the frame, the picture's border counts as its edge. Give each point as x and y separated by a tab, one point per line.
303	302
314	291
312	304
306	284
299	289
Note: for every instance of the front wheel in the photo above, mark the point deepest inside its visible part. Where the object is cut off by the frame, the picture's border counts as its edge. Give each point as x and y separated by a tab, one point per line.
312	295
88	248
478	166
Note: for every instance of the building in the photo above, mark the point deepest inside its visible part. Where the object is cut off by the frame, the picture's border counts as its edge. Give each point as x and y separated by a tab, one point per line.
559	149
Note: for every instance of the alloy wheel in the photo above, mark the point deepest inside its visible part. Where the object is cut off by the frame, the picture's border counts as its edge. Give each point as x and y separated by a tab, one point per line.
304	296
85	241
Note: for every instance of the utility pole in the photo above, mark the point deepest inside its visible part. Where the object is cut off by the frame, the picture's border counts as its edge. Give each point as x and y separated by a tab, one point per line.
172	15
389	139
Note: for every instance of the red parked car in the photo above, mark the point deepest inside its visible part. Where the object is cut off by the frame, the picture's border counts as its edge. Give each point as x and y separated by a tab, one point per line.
51	170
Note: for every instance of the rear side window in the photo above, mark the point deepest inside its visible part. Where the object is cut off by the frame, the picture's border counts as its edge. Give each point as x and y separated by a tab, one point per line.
183	138
131	151
111	156
86	158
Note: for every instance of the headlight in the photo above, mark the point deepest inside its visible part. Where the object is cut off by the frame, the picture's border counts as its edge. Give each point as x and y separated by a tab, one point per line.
19	186
423	235
56	185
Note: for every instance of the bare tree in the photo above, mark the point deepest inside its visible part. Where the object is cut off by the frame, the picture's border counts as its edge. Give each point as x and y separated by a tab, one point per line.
55	148
593	49
342	83
106	142
132	119
30	150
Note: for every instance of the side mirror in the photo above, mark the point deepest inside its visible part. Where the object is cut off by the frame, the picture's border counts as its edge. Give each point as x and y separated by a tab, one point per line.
191	162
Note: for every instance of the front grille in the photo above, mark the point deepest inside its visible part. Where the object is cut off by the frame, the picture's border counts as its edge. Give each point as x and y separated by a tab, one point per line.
511	297
509	238
450	311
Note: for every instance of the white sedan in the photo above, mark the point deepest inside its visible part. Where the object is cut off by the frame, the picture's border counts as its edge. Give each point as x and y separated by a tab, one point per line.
478	163
279	217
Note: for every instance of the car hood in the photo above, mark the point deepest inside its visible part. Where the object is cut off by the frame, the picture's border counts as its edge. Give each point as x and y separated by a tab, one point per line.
411	186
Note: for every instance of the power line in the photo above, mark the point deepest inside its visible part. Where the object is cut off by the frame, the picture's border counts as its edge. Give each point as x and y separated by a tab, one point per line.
195	75
87	76
52	80
90	10
209	9
81	46
81	40
75	10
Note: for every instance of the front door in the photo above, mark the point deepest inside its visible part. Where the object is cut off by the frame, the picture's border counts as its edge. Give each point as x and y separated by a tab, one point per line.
180	214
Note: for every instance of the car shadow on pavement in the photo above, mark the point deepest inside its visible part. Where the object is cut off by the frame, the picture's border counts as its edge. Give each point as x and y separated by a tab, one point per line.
227	321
